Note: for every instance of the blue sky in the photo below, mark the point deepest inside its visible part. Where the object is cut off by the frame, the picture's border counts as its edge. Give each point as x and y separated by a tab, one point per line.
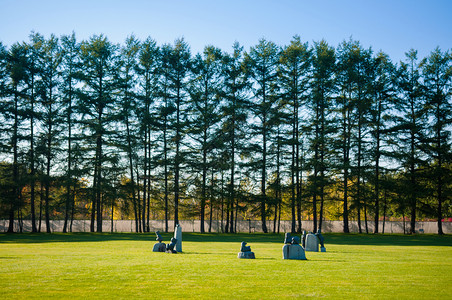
393	26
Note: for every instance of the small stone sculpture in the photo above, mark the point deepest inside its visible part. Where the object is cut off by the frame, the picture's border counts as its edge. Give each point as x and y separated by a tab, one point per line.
159	247
245	252
170	246
292	249
321	240
245	248
312	243
287	238
159	237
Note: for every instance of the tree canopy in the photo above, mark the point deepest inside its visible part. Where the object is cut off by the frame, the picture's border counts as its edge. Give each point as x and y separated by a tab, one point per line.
95	130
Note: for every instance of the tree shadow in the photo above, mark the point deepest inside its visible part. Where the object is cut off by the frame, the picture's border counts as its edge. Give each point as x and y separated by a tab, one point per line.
388	239
330	238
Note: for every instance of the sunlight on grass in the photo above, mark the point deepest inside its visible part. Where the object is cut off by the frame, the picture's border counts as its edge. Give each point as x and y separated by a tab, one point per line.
124	266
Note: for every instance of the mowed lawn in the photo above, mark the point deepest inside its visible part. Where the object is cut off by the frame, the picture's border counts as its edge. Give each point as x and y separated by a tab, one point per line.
106	266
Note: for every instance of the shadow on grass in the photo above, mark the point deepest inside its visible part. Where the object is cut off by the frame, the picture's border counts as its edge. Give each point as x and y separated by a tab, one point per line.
330	239
389	239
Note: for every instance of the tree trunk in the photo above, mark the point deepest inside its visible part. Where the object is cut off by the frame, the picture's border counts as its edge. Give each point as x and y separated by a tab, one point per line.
165	153
15	163
72	209
377	169
384	211
204	180
298	181
177	159
263	181
41	193
211	203
358	184
226	227
365	218
99	183
222	201
439	171
293	169
322	159
112	214
32	159
47	182
93	201
346	155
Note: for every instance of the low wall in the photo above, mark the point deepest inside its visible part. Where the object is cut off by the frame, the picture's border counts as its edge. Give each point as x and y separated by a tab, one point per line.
242	226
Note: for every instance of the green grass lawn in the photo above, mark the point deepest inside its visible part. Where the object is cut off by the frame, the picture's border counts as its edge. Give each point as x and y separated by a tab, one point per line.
124	266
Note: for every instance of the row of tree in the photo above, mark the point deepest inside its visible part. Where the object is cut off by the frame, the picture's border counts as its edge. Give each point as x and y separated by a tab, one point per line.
144	131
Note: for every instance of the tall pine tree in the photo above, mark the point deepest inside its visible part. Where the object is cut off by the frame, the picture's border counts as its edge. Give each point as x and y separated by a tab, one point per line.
96	102
323	82
437	71
262	63
294	80
234	115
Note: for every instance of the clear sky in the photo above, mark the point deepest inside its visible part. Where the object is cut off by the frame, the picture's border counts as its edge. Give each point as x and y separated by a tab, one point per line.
393	26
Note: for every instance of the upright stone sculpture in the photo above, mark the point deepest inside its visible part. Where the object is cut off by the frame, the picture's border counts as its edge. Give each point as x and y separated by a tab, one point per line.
178	237
287	238
312	243
321	240
303	239
159	247
245	252
292	248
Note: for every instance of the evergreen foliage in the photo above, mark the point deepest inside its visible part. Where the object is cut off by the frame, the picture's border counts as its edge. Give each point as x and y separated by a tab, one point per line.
140	131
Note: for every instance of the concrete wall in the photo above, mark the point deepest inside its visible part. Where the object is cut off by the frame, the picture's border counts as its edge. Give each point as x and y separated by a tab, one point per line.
242	226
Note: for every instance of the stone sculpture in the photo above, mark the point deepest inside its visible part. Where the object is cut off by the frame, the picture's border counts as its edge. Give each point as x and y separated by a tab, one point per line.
174	246
245	248
158	236
178	237
312	243
292	248
245	252
159	247
321	240
287	238
303	239
170	246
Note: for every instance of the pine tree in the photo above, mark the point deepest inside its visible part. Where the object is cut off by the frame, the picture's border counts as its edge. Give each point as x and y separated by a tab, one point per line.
165	111
355	111
33	70
234	115
361	103
96	103
148	76
128	140
48	93
294	81
346	87
205	100
323	82
262	63
410	129
13	114
437	74
383	90
180	61
70	67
